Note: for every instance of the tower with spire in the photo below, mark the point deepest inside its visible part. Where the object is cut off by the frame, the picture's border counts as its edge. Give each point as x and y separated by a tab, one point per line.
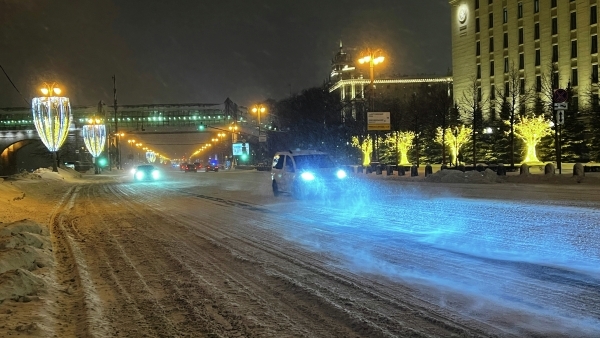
342	66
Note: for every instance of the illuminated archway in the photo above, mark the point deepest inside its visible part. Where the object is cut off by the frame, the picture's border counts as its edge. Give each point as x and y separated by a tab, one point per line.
8	158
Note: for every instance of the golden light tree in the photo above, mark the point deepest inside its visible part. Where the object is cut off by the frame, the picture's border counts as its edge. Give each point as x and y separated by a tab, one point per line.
455	138
366	147
402	141
531	130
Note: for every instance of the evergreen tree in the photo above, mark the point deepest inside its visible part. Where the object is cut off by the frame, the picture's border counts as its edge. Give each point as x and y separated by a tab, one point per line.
573	145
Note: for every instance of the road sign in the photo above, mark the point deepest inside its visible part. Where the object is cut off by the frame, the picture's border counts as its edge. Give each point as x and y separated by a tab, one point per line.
560	117
561	106
560	95
240	149
378	127
378	121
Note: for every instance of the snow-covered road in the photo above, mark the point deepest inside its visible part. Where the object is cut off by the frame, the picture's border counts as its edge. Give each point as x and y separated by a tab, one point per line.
216	254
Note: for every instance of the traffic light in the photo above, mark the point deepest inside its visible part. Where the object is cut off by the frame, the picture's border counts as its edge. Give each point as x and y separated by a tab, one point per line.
244	155
201	127
101	161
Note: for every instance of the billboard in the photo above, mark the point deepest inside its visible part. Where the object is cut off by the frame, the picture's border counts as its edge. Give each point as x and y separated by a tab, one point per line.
240	149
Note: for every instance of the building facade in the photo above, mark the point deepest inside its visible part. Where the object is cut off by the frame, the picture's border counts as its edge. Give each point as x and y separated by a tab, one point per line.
352	84
540	43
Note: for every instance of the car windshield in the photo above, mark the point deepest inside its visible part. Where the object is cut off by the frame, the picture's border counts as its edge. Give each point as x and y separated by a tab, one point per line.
315	161
145	167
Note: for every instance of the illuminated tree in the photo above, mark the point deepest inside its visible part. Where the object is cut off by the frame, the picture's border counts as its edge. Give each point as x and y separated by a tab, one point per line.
366	147
531	130
515	97
401	141
455	138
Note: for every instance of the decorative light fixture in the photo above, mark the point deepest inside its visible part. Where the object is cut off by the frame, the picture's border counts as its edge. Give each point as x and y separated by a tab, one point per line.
52	117
150	156
94	136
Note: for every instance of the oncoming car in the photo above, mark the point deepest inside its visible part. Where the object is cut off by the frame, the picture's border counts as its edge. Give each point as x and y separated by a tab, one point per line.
304	173
146	172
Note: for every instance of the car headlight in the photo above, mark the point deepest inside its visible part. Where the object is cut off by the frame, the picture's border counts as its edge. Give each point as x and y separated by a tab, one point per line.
133	171
155	174
139	175
341	174
307	176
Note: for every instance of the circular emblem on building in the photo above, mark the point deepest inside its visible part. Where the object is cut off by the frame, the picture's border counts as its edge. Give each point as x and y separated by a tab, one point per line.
462	14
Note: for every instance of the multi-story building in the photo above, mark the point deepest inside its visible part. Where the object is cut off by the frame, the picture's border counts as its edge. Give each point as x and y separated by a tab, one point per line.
348	80
538	41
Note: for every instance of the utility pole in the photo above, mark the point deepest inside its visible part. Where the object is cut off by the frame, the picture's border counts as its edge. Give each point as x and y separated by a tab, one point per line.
116	123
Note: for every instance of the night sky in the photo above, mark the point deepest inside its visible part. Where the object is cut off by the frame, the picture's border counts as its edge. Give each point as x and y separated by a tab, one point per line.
200	51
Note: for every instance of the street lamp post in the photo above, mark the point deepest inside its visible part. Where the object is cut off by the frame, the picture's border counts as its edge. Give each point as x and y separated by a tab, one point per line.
233	130
372	57
258	109
52	117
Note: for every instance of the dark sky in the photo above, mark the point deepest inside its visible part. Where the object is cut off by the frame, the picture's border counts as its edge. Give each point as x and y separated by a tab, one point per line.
203	51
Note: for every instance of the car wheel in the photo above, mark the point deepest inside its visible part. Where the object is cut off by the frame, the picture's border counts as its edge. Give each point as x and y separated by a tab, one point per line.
275	189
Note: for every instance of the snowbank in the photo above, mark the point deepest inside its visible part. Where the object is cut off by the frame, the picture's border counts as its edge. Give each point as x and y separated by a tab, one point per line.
25	249
457	176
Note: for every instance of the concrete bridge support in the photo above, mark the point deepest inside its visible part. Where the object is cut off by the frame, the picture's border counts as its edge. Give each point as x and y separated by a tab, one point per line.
8	157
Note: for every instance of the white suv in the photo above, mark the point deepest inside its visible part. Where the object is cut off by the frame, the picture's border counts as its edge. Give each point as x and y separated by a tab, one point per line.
306	173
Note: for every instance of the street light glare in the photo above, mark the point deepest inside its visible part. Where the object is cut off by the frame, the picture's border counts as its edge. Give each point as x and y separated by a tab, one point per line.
57	91
44	91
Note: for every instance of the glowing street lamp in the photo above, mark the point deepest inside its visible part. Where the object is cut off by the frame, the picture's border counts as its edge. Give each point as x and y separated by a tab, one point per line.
372	57
94	136
259	109
52	117
233	129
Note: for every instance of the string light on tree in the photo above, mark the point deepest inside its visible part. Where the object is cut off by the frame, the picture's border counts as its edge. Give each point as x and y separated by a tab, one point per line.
402	141
366	147
531	130
455	139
